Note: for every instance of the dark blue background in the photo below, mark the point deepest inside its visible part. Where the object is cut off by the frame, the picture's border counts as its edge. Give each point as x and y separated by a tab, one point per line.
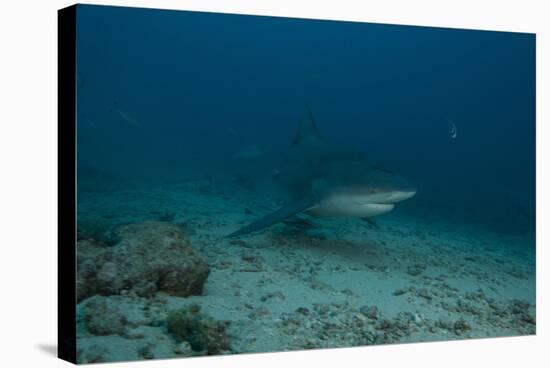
203	85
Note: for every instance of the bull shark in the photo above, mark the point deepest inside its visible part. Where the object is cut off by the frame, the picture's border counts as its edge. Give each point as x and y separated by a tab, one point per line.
328	180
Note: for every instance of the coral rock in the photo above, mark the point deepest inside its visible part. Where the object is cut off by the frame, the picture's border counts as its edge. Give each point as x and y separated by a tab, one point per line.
150	257
103	318
201	331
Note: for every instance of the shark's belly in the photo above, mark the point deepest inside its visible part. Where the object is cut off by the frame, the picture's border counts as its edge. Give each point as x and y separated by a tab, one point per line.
348	209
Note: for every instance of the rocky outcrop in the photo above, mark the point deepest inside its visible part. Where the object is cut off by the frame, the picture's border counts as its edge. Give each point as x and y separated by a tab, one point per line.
149	257
103	317
202	332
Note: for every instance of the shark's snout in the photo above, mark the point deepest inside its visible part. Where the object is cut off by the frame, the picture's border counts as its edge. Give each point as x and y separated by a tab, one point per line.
382	188
399	196
393	188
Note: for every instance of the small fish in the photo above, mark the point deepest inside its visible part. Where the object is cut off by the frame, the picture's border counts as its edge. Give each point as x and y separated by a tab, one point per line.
234	132
452	129
127	118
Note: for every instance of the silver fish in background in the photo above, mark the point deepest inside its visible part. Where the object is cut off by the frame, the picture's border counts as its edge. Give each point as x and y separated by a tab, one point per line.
452	129
129	120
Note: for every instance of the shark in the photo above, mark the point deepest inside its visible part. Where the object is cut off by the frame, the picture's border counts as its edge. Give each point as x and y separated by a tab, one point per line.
323	179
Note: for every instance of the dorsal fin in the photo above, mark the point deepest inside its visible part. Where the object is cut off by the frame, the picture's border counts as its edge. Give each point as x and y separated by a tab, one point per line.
307	131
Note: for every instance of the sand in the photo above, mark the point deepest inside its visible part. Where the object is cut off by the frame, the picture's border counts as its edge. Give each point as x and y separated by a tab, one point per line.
337	283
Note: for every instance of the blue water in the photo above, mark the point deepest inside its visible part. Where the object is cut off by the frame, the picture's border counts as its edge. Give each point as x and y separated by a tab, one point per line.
162	94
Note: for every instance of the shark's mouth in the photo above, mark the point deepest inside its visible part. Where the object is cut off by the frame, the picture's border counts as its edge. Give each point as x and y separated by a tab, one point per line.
377	199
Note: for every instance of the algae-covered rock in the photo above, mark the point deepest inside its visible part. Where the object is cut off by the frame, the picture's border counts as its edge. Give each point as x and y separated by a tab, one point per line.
150	257
98	231
461	326
201	331
94	354
103	317
184	349
370	312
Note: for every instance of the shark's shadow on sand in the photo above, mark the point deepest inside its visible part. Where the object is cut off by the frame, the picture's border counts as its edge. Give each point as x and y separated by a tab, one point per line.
359	252
327	180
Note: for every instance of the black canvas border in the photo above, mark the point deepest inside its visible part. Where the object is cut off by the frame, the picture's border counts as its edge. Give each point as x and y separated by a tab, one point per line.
66	186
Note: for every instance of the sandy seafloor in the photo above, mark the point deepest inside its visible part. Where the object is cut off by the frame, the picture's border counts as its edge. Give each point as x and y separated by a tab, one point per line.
336	283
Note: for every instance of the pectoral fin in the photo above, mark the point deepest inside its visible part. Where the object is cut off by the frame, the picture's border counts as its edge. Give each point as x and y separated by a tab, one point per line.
277	216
